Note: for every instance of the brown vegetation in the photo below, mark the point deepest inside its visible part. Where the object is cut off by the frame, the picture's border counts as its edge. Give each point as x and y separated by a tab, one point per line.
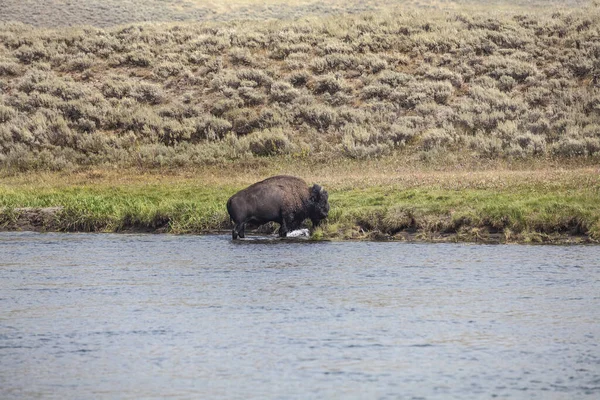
506	85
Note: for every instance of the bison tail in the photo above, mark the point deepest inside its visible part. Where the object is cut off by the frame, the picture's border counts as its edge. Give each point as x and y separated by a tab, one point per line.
229	206
230	211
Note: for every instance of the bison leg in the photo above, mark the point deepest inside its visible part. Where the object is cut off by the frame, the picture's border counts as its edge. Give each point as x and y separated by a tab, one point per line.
283	230
289	224
238	230
295	224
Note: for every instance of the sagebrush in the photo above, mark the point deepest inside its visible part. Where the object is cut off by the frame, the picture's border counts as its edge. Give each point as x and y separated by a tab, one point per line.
508	84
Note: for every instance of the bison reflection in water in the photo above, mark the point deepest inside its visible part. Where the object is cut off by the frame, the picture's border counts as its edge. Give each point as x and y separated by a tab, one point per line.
286	200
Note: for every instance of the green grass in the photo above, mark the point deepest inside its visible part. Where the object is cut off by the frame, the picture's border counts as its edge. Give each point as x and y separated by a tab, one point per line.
440	207
439	211
175	209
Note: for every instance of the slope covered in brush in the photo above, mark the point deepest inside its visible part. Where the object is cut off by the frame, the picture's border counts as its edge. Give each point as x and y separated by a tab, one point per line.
499	85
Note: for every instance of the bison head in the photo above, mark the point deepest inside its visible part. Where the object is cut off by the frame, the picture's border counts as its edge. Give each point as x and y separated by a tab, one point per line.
319	204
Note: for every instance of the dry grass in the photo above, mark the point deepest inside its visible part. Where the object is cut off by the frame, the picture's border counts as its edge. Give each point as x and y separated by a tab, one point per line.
104	13
430	86
387	172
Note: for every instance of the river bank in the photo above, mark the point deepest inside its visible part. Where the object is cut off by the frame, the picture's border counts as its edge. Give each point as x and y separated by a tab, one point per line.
47	219
44	220
376	200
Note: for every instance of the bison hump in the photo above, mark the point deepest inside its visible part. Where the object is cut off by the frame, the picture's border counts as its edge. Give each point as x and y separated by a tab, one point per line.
293	191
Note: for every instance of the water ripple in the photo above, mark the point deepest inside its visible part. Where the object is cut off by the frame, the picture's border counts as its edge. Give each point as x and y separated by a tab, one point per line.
156	316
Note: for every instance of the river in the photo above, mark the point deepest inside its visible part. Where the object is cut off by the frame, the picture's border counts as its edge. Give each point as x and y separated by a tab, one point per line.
163	316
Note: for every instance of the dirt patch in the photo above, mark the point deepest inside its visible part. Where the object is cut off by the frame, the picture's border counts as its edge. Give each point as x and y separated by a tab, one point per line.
30	219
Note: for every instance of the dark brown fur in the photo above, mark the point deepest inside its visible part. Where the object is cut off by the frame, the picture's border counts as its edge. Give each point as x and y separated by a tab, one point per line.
284	199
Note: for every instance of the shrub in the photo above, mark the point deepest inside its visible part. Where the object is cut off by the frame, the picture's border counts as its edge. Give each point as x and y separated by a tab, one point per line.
506	83
494	98
328	84
362	143
213	44
498	66
268	143
435	138
116	88
300	78
241	56
420	92
352	115
377	91
442	74
487	146
173	132
576	147
283	92
538	96
318	117
56	131
272	117
167	69
394	79
569	147
334	46
148	93
7	113
80	63
581	66
28	54
9	68
255	75
251	96
222	106
214	65
243	120
78	110
531	144
224	80
93	144
335	62
211	128
506	39
405	130
20	158
373	64
296	61
134	59
48	82
199	58
142	120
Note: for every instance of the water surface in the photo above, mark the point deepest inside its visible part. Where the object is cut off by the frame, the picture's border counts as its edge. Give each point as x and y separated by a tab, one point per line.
160	316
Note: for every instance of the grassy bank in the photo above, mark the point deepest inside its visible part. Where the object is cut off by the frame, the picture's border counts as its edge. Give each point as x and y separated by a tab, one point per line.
372	200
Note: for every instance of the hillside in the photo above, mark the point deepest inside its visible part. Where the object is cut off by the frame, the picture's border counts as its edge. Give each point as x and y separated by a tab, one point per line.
105	13
425	85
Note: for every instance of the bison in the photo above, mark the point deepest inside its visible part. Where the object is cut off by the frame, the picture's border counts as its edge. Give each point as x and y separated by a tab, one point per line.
284	199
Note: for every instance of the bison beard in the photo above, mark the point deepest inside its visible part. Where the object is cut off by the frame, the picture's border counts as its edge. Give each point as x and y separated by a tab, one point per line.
286	200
